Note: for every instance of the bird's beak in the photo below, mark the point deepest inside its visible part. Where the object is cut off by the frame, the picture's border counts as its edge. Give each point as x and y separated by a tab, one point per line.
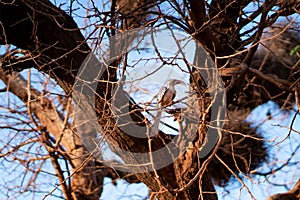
180	82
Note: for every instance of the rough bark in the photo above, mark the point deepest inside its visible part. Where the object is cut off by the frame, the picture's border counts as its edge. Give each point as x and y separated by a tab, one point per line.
87	180
293	194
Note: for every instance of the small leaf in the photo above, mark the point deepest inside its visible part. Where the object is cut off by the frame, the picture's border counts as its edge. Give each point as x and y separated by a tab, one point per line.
295	50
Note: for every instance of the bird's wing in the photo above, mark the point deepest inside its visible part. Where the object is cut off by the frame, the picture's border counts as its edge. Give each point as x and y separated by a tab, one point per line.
161	93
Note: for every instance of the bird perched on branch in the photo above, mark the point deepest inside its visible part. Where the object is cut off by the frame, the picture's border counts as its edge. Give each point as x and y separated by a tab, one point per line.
167	94
164	99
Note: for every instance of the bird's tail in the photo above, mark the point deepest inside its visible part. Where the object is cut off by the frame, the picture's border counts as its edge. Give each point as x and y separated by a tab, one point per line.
154	128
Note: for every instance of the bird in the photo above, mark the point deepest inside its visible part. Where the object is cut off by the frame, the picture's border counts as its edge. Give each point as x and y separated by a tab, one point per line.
165	98
167	94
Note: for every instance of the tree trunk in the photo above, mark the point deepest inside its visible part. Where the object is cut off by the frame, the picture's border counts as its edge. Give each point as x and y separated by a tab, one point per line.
61	55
